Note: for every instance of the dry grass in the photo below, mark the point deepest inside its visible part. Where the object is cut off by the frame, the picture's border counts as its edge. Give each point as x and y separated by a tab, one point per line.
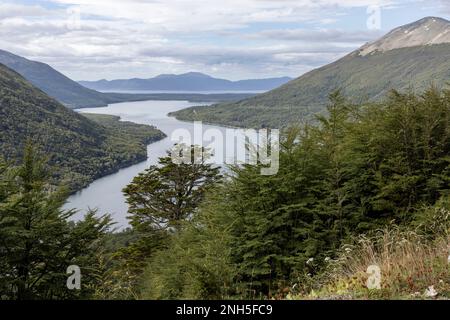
409	265
410	262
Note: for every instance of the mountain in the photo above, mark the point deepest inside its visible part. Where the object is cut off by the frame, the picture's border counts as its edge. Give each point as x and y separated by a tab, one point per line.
79	150
413	56
54	83
425	32
192	81
73	95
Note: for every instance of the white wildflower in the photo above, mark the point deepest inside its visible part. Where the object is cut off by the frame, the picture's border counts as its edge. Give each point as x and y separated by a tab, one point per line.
327	259
430	292
310	260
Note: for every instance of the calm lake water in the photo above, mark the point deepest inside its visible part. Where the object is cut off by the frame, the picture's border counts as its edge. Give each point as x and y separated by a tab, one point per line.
105	194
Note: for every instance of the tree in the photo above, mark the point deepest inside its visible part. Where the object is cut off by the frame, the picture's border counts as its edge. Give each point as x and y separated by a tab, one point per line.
334	209
359	169
398	156
169	193
37	242
197	261
160	200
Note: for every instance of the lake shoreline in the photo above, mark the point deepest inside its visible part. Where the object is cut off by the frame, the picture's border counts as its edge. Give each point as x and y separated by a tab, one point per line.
148	136
105	192
144	158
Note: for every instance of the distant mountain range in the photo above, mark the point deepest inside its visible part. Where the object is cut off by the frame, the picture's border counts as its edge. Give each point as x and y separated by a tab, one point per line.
73	95
413	56
192	81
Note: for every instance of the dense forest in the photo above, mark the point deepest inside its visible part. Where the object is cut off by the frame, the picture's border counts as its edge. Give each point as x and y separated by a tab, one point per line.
78	149
366	184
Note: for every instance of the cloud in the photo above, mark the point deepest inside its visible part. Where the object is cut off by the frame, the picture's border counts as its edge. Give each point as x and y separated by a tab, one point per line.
328	35
10	10
207	15
139	38
445	6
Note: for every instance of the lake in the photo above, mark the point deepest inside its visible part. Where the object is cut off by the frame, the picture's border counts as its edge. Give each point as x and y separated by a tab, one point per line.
105	194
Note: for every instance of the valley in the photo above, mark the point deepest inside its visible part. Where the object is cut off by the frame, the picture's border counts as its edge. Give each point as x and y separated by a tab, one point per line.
156	186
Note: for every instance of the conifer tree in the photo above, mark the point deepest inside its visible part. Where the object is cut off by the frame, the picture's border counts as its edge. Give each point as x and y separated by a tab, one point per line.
37	242
168	193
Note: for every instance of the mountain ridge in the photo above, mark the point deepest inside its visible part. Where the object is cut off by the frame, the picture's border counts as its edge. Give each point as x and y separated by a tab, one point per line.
73	95
190	81
52	82
366	77
426	31
79	150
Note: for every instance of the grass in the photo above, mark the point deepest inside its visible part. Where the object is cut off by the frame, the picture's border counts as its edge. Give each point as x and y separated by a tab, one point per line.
413	265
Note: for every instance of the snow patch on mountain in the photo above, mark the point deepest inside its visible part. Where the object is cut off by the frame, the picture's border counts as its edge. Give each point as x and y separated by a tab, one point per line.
427	31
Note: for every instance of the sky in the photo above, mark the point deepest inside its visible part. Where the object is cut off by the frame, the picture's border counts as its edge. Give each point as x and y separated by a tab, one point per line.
232	39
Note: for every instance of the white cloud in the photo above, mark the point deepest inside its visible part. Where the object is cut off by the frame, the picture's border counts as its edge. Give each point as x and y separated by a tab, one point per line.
317	35
138	38
204	15
445	5
10	10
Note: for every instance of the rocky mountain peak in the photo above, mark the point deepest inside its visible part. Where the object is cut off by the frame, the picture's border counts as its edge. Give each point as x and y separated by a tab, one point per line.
427	31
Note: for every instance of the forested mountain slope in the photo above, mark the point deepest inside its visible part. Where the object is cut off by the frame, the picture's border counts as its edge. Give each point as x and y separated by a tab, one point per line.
79	150
395	61
54	83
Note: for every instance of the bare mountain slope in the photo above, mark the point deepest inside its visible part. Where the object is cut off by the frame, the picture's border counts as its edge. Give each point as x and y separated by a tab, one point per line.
428	31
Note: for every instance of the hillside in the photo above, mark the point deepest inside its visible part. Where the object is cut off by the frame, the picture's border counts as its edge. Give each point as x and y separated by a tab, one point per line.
414	62
78	149
192	81
73	95
54	83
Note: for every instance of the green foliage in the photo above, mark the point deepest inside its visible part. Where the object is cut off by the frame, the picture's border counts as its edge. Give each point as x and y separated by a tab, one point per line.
411	259
197	261
123	265
78	150
161	200
398	152
168	193
360	169
37	243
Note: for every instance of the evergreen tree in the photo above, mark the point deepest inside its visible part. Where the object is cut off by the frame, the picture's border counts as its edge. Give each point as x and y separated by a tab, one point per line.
197	262
398	157
334	209
169	193
359	169
160	200
37	243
